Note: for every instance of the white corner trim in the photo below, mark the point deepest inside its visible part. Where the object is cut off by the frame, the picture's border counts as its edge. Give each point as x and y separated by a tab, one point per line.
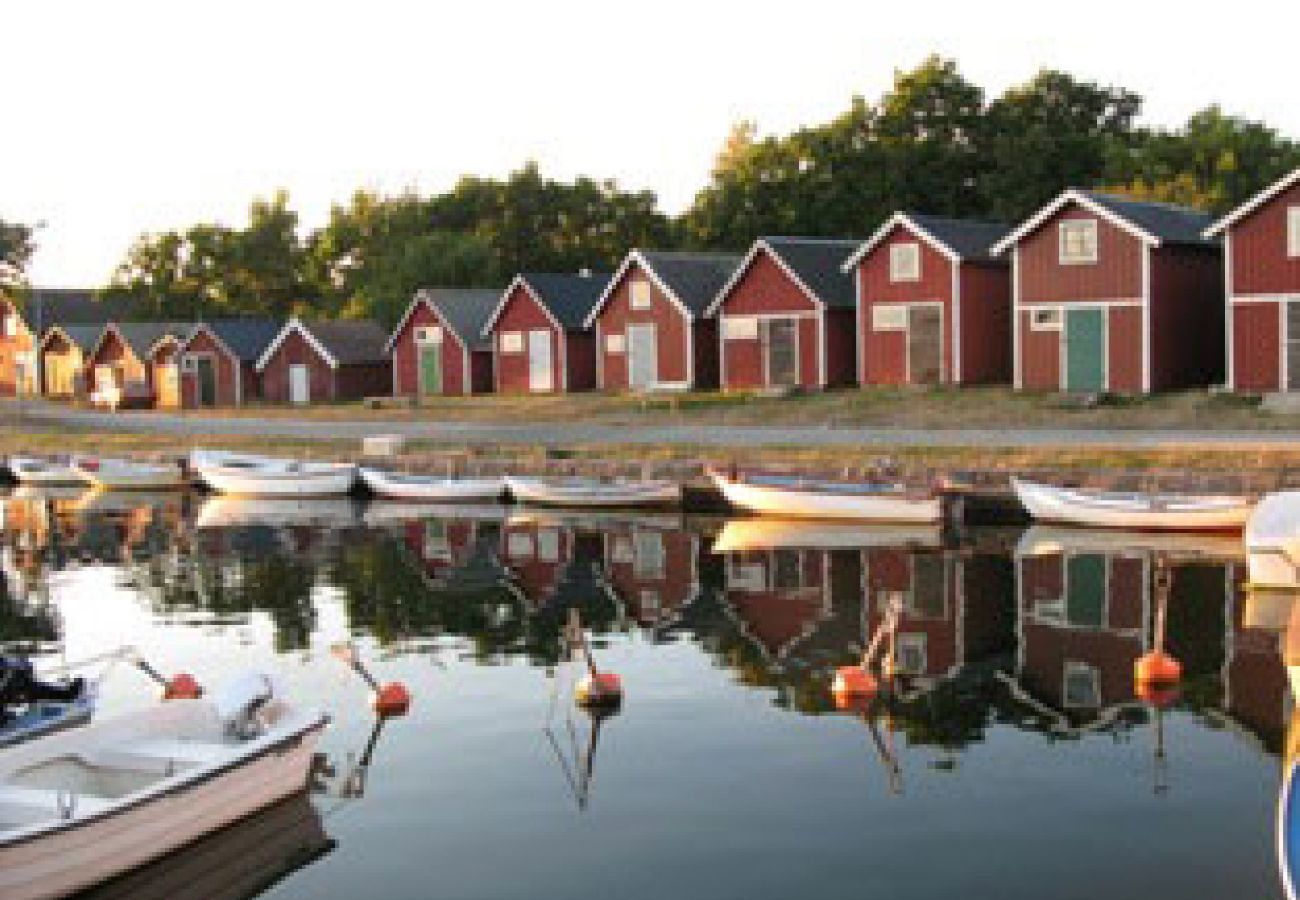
955	310
1017	374
1146	320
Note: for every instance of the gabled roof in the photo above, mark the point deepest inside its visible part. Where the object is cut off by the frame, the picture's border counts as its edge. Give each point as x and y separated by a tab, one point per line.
1254	203
1154	224
71	306
691	280
960	240
814	264
462	310
569	299
340	342
141	337
83	337
244	339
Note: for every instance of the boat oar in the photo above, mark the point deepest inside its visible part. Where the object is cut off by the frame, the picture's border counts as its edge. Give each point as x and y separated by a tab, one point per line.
181	686
391	699
596	688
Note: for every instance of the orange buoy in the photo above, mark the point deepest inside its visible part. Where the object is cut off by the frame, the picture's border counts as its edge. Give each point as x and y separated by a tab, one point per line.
599	689
853	683
183	686
1157	667
393	699
1159	695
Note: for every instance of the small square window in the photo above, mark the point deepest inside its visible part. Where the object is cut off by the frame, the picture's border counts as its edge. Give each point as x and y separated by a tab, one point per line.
640	295
1078	242
1293	231
1045	319
512	342
905	262
615	343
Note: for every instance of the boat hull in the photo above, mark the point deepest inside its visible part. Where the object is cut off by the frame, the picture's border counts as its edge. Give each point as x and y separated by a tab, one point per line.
123	476
86	854
591	493
1111	509
308	482
809	503
1273	542
28	470
431	489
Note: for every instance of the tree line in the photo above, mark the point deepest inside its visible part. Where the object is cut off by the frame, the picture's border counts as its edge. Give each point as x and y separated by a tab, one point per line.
935	143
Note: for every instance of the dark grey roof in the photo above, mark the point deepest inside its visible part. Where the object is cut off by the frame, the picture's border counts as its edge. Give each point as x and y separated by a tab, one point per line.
817	262
971	239
1170	223
84	337
246	338
465	311
141	336
695	278
569	297
71	306
350	341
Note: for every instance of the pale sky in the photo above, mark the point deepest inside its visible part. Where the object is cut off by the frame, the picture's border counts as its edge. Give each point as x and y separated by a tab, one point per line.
133	116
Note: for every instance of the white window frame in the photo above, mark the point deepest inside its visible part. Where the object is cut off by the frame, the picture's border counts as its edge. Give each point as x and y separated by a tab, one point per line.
1084	672
889	317
905	262
511	342
639	295
428	334
1054	319
616	343
649	557
1293	232
911	653
740	328
1065	251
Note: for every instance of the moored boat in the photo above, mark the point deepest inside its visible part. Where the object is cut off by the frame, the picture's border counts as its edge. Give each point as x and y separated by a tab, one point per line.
740	535
594	492
265	476
83	806
1273	542
795	497
1133	509
128	475
42	471
432	488
228	511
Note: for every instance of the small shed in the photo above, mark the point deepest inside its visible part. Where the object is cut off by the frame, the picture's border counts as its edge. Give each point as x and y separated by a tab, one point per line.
1261	276
438	347
65	350
933	303
1115	295
326	361
219	361
786	316
538	332
652	325
134	364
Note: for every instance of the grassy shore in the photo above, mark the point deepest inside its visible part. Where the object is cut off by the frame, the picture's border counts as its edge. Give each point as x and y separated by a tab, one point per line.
900	407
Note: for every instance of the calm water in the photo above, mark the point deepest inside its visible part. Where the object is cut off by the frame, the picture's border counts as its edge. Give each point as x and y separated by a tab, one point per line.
1012	760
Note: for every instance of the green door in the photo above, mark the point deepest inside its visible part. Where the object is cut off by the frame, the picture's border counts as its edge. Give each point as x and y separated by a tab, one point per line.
431	369
1085	350
1085	586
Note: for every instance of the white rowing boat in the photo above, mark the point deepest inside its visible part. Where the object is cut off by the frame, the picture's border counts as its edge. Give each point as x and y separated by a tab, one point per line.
226	511
1059	540
793	497
431	488
1273	542
1131	509
37	470
267	476
128	475
83	806
616	493
740	535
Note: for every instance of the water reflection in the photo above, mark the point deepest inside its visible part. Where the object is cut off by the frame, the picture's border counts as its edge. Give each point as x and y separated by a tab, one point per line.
1000	633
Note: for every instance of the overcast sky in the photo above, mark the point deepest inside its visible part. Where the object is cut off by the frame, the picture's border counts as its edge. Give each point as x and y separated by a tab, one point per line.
131	116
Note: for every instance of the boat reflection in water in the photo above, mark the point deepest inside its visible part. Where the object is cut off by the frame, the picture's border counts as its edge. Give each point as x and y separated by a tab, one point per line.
1013	644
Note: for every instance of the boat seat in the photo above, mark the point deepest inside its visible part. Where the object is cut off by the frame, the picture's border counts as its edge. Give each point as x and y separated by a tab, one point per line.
43	803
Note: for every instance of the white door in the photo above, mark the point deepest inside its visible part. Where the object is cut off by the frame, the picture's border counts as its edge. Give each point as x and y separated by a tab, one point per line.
642	356
299	384
540	366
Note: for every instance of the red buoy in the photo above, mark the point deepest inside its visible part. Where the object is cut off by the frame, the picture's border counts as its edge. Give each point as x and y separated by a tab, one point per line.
1157	667
182	686
393	699
599	689
853	683
1160	696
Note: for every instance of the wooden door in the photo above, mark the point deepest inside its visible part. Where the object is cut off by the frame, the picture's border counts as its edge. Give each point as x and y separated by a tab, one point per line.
299	384
1085	350
168	386
781	352
430	369
205	376
925	345
642	356
541	361
1293	346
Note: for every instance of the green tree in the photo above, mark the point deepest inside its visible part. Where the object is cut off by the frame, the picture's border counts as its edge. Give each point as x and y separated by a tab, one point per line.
17	244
